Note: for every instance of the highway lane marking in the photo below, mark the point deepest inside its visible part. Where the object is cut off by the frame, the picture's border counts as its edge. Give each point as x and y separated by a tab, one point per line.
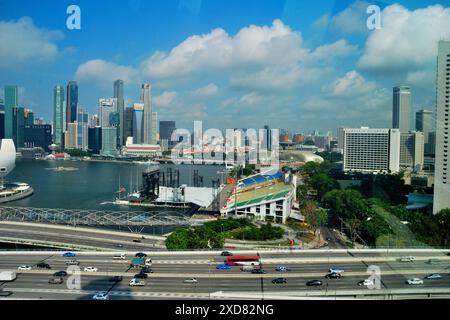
112	293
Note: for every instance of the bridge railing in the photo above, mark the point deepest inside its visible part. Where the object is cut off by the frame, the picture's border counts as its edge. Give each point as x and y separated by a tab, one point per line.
93	217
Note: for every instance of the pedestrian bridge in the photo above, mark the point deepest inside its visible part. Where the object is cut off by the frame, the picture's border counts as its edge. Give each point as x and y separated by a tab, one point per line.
76	217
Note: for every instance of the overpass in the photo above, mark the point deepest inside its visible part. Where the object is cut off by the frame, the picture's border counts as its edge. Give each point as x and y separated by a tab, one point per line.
75	237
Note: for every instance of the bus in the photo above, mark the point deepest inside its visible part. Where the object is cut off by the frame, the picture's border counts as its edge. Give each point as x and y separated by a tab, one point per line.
243	261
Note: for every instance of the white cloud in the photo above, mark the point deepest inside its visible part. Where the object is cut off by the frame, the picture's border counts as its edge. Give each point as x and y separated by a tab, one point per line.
165	99
352	84
24	43
207	91
407	41
104	73
322	22
251	46
327	52
352	19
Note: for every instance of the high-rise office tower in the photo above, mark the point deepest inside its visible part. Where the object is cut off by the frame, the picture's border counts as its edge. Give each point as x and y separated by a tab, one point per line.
59	115
267	140
105	107
71	135
154	139
95	139
118	94
441	198
138	123
165	133
71	102
82	129
147	116
401	109
11	101
18	126
371	150
424	123
128	123
411	150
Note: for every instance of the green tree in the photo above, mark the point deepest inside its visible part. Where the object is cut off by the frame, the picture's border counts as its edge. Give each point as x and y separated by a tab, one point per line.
323	184
314	216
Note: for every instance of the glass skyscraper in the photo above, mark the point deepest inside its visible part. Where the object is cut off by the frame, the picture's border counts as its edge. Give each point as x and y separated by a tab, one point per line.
11	101
118	94
59	115
71	102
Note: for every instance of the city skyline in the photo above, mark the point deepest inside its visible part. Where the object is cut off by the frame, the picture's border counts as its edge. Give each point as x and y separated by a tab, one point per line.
243	89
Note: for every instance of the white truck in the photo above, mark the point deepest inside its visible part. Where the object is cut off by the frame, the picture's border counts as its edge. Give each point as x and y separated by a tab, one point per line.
7	276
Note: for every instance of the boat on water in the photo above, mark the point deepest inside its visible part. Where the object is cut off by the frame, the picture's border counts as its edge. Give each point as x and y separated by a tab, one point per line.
15	191
149	162
62	168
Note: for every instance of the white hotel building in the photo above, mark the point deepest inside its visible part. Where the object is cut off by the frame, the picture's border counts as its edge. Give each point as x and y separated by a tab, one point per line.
371	150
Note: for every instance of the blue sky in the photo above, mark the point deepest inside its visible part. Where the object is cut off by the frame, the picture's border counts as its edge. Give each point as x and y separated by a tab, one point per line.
291	64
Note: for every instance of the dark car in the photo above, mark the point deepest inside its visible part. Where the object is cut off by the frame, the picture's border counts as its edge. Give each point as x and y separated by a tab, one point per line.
116	279
333	275
141	275
258	271
279	280
55	280
226	254
141	255
146	270
60	274
43	265
137	240
314	283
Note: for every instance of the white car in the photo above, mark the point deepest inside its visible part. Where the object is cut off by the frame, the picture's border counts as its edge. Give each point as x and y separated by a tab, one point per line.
136	282
414	281
101	296
90	269
24	268
148	262
190	280
407	259
366	282
121	256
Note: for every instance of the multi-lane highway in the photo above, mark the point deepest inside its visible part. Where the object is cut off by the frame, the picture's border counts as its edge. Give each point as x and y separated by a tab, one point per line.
59	236
171	269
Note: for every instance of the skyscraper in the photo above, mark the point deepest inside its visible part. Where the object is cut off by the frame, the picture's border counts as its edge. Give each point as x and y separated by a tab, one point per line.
165	133
59	115
441	198
71	102
411	150
105	107
118	94
128	123
371	150
82	129
424	123
154	139
401	110
147	116
18	126
138	123
11	101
